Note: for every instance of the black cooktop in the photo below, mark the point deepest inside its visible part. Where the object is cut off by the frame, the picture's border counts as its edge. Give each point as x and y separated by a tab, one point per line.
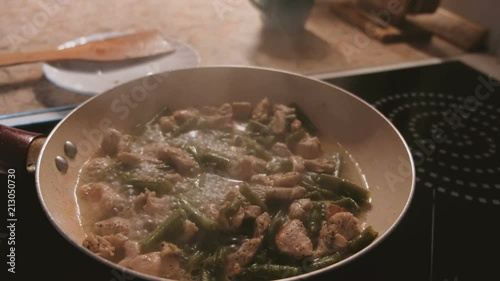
448	113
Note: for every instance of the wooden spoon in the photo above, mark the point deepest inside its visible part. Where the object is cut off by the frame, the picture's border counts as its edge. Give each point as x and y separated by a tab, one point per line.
128	46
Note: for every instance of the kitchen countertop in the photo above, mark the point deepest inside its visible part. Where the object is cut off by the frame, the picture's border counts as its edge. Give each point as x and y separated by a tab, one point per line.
222	31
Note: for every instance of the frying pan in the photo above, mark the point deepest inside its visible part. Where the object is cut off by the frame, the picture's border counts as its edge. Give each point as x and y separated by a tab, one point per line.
370	139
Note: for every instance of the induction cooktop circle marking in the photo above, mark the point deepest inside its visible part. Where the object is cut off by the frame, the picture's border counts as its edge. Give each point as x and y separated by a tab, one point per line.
424	114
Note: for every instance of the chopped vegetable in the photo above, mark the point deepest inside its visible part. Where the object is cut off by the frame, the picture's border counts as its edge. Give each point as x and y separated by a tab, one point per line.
168	230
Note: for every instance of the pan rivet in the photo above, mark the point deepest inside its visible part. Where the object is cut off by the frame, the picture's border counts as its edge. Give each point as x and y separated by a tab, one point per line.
61	164
70	149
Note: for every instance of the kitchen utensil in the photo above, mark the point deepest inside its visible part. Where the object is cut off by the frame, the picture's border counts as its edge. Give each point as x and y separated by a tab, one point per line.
127	46
371	140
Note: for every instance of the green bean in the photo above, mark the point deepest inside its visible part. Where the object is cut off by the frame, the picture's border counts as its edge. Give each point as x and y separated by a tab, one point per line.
220	258
197	216
274	227
254	148
345	188
196	260
252	197
205	275
221	162
191	149
364	239
233	208
348	204
295	137
110	168
261	256
314	221
266	141
314	195
268	272
257	127
169	229
290	117
304	119
188	125
325	194
158	186
325	261
257	150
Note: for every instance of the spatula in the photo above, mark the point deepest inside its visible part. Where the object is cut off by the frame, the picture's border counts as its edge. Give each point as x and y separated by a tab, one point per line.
133	45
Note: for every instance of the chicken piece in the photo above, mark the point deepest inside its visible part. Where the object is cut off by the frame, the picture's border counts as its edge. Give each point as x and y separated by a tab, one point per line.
165	263
345	224
156	207
98	245
114	225
183	162
218	122
208	110
329	243
94	168
287	179
252	211
320	165
261	224
218	118
336	232
111	141
104	246
246	166
300	209
293	241
104	201
245	253
284	108
281	150
298	163
261	179
278	122
296	125
225	110
131	248
183	115
149	263
172	262
235	221
190	230
285	193
241	110
331	209
167	124
129	159
308	147
261	111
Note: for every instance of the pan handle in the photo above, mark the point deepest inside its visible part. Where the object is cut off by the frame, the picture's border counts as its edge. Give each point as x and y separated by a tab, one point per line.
16	149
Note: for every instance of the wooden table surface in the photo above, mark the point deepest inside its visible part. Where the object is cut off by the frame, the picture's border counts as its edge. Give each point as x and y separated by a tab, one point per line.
222	31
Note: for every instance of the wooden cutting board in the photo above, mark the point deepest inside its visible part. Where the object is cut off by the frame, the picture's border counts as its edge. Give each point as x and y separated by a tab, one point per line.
463	33
375	27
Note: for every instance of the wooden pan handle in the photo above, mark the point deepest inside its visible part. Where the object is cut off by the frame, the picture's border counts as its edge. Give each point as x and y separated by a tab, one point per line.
14	148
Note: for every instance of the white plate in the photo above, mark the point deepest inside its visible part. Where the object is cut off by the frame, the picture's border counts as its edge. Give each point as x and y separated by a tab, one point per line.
88	77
